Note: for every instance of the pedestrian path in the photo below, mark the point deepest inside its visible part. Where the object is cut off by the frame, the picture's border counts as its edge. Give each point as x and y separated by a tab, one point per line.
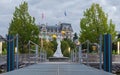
58	68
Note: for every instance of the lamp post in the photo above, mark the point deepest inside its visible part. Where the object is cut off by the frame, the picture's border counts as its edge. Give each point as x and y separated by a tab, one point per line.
63	33
69	49
78	51
118	47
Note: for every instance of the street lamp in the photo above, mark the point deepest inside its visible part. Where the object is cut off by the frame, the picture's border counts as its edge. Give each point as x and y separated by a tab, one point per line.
118	47
63	33
69	49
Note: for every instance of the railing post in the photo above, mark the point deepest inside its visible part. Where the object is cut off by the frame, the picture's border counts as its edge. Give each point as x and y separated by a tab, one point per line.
100	52
80	54
87	52
17	57
36	54
29	52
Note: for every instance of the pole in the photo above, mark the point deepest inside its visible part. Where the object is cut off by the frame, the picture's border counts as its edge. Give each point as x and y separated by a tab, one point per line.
80	54
87	52
17	57
107	53
29	52
8	53
36	53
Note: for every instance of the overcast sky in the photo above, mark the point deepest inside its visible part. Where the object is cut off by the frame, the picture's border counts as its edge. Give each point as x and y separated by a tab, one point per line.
54	11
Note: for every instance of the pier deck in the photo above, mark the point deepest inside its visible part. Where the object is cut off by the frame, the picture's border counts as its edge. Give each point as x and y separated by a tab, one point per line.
57	68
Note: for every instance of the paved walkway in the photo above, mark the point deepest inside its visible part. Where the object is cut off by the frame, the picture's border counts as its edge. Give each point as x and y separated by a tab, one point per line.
57	68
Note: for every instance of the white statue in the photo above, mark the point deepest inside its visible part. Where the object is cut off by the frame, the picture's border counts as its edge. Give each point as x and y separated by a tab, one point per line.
58	52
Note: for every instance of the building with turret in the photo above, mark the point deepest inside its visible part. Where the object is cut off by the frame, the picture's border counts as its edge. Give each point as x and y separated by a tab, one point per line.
62	30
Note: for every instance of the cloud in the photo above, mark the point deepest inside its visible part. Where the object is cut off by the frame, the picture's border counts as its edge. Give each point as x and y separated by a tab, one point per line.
54	11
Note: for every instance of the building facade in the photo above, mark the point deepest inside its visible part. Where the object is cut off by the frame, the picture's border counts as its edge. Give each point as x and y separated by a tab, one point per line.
62	30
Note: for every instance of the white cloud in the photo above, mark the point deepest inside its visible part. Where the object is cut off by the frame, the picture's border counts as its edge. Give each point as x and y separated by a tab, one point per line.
54	11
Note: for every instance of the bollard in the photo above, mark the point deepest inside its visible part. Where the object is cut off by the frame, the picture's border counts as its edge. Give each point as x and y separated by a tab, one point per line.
10	53
107	53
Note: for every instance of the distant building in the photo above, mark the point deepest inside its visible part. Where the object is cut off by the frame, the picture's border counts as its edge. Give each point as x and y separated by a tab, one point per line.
63	30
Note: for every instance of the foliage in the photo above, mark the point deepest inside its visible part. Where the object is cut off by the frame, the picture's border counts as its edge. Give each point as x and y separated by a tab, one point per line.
114	52
4	48
54	46
4	52
66	53
48	47
75	37
49	53
65	44
118	36
24	25
70	43
95	23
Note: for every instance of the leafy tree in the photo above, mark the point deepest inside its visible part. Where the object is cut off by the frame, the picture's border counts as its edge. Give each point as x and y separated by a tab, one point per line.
94	23
24	25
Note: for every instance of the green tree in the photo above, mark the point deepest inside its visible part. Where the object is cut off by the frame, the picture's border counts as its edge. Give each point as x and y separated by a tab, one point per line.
24	25
94	23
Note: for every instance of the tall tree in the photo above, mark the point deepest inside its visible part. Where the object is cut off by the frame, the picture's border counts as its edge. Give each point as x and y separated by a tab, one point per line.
94	23
24	25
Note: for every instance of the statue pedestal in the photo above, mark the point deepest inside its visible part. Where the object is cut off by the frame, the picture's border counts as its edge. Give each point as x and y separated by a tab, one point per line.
58	59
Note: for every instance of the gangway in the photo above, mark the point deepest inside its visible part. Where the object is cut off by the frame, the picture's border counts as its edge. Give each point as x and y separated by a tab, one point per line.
57	68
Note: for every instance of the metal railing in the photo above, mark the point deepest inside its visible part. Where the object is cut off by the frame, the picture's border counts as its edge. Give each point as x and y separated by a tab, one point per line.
83	55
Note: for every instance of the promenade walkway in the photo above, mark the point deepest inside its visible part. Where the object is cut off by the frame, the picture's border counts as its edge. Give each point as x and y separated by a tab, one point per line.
57	68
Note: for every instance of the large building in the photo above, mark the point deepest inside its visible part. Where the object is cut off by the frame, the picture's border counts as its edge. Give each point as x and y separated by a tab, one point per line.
63	30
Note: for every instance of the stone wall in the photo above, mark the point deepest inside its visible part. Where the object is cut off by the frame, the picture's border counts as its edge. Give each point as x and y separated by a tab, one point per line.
116	58
95	58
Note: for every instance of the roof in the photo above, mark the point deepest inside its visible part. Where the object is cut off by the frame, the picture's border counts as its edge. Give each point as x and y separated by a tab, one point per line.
57	28
68	25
